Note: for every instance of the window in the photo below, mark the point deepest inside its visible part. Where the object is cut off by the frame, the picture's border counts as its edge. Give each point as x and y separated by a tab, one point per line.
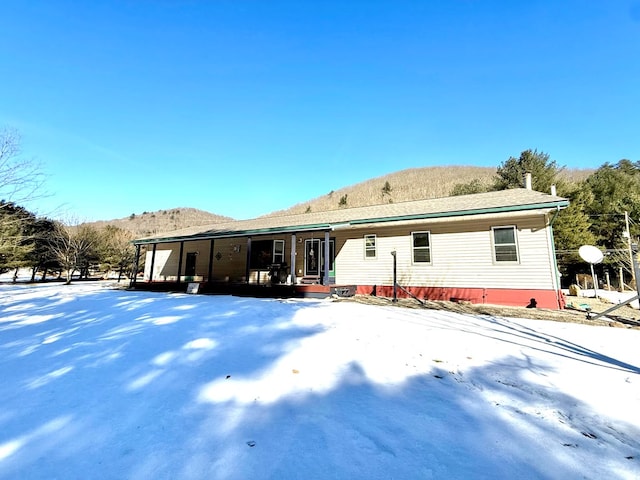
266	252
369	246
504	244
278	251
261	253
421	247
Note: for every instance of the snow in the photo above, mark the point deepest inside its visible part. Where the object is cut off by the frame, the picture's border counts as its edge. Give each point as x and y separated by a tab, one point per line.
110	384
612	296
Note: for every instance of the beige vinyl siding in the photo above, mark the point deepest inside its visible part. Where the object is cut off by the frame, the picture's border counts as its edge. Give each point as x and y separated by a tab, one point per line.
231	266
229	259
165	262
201	248
165	265
461	256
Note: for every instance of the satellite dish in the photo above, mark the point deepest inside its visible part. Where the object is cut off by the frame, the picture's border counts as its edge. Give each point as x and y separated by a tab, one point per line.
590	254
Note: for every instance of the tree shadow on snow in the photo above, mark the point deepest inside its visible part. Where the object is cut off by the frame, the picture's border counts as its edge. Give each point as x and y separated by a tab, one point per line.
142	385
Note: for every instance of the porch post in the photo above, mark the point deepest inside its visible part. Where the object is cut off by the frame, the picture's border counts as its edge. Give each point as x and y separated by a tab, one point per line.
153	261
293	259
136	260
210	268
325	277
246	271
180	260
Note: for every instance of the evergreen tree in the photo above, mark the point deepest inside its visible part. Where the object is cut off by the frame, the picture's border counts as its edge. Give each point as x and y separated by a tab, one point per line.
16	241
544	172
474	186
615	189
41	258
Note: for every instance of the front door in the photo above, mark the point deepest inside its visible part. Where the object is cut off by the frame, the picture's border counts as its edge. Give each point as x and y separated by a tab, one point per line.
314	257
190	265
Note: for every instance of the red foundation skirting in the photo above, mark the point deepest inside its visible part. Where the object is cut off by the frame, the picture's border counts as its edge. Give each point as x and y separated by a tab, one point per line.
497	296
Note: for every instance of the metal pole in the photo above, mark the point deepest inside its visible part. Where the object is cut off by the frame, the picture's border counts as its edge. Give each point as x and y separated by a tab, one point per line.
395	283
594	280
628	235
634	249
621	279
592	316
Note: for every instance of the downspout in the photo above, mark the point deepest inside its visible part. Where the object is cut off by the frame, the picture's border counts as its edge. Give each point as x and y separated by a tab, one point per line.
555	262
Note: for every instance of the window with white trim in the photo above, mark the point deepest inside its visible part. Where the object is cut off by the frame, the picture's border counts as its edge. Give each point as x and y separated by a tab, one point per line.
505	246
421	246
278	251
370	246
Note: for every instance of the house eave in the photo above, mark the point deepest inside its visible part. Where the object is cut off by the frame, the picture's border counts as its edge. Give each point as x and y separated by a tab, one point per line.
461	213
236	233
208	235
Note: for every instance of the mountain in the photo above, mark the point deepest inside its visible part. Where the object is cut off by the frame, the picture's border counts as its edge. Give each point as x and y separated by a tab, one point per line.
148	223
401	186
407	185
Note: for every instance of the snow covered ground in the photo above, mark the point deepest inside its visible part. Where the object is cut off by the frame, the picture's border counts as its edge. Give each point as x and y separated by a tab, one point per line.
106	384
612	296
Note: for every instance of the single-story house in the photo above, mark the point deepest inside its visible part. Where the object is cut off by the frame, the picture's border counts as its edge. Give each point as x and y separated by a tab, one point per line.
494	247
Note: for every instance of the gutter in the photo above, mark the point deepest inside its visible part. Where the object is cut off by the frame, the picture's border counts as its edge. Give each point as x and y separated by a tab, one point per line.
461	213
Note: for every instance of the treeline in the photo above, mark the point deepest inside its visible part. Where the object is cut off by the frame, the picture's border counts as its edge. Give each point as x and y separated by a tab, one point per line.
43	245
604	211
604	208
51	248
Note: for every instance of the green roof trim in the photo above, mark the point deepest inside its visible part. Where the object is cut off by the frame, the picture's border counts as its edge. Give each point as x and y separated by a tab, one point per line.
236	233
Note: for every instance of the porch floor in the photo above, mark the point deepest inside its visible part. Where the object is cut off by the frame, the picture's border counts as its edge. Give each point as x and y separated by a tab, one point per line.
252	289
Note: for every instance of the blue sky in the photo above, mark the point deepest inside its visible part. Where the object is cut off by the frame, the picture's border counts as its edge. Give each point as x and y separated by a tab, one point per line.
246	107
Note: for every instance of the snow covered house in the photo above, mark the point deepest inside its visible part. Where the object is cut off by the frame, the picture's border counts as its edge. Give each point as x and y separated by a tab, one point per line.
494	247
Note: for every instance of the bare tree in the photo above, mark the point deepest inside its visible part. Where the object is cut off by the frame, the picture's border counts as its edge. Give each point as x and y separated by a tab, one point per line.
20	178
73	247
116	250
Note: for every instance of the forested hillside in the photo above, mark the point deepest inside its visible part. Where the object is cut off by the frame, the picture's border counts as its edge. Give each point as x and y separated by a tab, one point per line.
401	186
148	223
410	184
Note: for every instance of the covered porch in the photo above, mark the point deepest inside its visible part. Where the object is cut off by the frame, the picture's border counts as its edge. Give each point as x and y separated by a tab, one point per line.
268	264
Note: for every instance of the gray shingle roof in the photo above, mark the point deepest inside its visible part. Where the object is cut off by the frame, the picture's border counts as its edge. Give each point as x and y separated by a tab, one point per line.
513	200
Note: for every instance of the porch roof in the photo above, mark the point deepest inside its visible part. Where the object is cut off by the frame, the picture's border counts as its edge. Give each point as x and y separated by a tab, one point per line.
503	201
